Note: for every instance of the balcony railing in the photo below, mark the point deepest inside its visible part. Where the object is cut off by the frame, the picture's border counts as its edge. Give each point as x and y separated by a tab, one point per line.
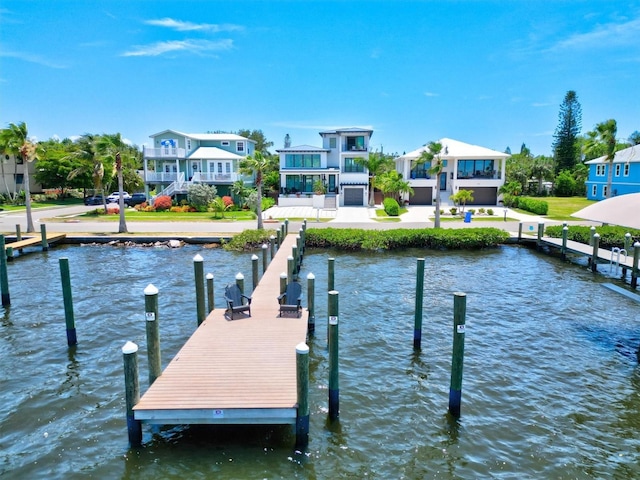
353	148
209	177
160	177
164	152
490	175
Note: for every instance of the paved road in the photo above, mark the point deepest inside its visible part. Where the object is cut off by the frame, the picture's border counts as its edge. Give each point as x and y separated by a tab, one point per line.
67	220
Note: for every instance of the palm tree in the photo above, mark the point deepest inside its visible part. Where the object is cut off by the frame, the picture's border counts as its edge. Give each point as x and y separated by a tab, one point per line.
109	147
391	183
87	150
542	169
376	164
464	196
16	141
604	135
432	157
256	164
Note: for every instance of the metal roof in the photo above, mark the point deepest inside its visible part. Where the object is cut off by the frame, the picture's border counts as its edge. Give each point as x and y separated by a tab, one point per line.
628	155
302	148
456	149
213	153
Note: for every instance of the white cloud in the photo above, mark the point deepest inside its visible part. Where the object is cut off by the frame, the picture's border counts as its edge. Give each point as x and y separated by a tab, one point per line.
182	26
190	46
28	57
625	33
431	94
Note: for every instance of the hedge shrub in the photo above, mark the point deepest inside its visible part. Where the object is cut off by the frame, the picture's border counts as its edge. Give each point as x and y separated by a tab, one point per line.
434	238
163	202
539	207
610	236
391	207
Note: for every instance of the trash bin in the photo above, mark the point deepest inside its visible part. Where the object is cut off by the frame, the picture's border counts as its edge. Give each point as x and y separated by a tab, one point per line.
467	217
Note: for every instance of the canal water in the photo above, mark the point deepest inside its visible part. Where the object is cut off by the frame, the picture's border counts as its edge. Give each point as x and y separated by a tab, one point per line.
551	387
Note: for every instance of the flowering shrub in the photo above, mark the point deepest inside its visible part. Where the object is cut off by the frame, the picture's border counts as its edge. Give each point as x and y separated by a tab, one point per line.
141	207
149	208
163	202
182	209
228	201
113	208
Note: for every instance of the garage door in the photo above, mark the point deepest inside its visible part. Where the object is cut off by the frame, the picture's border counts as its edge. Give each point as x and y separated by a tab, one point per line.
353	197
484	196
421	196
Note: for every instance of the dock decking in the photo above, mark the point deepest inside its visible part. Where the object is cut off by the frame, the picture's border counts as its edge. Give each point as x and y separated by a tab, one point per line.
34	241
240	371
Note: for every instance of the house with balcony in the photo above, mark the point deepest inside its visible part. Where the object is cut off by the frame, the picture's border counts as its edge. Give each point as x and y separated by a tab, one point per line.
177	160
465	166
625	178
334	164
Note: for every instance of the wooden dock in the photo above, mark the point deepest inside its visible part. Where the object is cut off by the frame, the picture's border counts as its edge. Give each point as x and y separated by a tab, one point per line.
34	241
240	371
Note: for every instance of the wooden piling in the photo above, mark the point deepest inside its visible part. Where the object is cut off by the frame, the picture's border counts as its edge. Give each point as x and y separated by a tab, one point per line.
302	417
67	298
457	358
240	281
272	246
334	384
565	235
9	253
417	328
210	293
132	392
43	233
198	267
294	254
153	332
519	232
290	269
331	274
540	235
592	232
4	276
283	283
311	303
265	257
18	233
255	273
286	226
634	269
594	255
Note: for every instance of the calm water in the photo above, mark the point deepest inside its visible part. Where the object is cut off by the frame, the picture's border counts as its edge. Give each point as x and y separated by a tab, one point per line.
551	388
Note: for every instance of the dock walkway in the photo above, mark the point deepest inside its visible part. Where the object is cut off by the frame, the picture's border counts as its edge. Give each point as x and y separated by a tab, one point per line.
34	241
240	371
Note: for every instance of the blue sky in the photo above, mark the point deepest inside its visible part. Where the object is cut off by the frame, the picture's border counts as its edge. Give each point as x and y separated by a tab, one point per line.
492	73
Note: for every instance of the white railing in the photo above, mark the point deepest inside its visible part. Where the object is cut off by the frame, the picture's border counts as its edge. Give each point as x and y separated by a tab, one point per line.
209	177
160	177
164	152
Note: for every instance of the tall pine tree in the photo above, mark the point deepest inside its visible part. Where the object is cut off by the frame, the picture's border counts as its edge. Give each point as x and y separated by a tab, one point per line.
566	150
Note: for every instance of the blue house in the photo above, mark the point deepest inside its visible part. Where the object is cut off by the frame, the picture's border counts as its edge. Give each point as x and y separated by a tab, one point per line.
626	174
177	160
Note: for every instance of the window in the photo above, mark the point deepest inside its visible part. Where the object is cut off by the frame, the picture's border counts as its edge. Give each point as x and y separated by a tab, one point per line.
626	170
302	160
600	170
188	144
604	191
475	169
227	167
19	178
332	142
618	168
219	167
594	190
240	146
421	170
355	143
225	143
350	166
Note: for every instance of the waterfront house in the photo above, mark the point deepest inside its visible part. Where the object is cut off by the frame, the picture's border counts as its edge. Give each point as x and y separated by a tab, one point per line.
12	174
177	160
333	164
626	174
465	166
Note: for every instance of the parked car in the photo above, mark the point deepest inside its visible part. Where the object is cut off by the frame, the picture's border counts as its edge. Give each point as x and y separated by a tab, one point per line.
115	197
135	199
95	200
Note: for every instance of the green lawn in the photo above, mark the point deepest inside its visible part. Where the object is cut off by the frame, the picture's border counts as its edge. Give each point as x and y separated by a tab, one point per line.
561	208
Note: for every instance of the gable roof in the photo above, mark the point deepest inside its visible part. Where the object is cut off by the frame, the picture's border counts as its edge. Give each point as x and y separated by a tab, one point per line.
627	155
456	149
213	153
205	136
